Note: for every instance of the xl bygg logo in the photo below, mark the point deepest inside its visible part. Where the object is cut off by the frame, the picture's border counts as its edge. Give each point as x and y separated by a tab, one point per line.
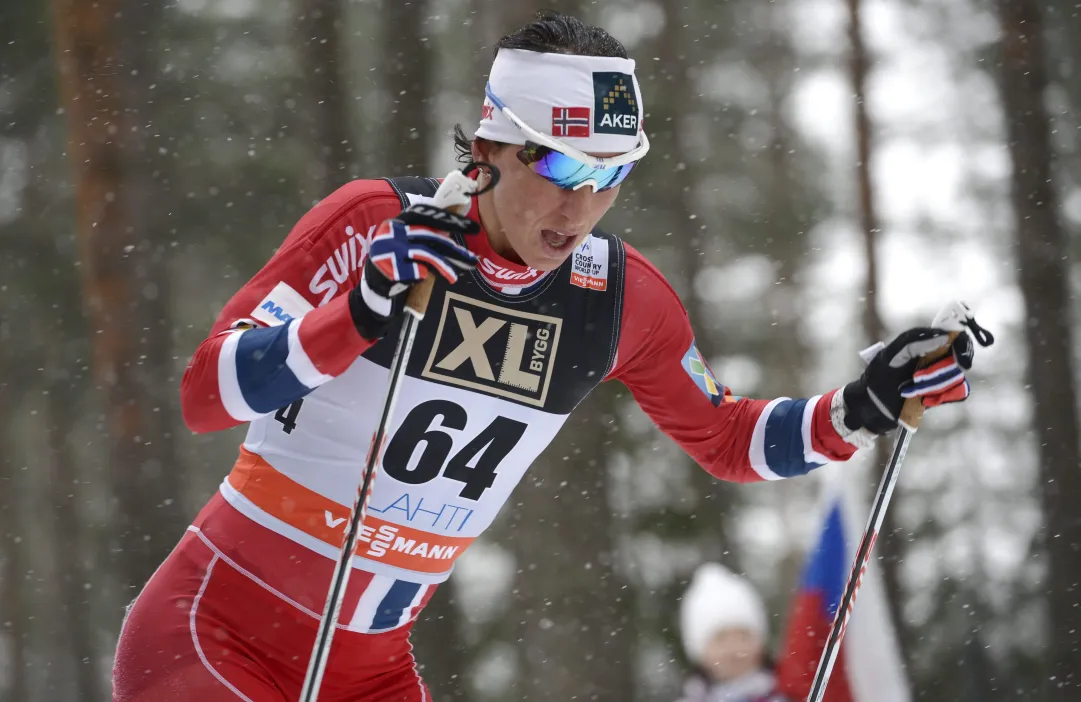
494	350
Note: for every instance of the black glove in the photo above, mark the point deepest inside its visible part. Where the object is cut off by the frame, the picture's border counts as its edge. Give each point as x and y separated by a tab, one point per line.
874	401
402	252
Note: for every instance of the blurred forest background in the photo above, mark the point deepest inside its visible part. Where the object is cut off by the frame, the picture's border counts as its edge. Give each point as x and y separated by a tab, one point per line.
823	174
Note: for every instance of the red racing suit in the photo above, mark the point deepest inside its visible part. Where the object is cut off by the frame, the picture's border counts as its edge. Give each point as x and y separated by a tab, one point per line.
232	613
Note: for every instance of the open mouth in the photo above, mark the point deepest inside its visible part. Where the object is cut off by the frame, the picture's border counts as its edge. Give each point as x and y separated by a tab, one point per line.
555	241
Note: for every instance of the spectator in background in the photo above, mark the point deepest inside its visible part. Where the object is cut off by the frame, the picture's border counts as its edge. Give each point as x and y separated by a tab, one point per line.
724	626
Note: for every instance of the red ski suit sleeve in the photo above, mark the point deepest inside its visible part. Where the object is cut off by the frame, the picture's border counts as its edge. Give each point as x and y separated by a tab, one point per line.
733	438
289	329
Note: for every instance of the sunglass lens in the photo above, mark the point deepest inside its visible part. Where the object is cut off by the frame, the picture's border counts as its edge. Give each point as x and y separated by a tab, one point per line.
568	172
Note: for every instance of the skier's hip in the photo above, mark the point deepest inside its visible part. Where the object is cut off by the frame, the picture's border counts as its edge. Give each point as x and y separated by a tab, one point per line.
237	619
299	576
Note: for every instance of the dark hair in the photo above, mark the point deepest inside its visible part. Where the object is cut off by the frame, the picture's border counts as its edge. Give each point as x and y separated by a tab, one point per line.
550	32
553	32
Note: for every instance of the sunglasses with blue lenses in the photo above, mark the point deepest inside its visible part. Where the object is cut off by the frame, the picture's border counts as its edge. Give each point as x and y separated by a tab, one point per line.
568	172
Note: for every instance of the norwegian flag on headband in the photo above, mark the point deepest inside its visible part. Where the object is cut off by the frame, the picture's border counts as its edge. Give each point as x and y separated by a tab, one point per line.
570	122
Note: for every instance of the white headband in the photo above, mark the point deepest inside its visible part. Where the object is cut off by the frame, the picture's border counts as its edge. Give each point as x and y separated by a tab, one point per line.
592	103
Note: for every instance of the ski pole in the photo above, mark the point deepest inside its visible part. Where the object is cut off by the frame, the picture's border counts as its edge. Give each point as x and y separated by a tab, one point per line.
953	318
453	194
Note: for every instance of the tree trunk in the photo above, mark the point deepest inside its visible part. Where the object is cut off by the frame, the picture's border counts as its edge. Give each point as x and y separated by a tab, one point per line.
571	603
1043	275
858	67
675	192
789	216
87	57
407	82
324	75
148	179
891	544
13	611
1062	29
68	548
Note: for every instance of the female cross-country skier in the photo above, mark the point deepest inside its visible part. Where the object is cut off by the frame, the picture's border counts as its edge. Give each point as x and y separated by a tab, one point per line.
533	307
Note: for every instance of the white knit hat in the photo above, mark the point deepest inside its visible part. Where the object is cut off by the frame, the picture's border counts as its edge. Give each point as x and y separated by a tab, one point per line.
718	599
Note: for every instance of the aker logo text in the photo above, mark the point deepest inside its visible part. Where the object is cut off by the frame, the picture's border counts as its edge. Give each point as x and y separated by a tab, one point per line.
615	108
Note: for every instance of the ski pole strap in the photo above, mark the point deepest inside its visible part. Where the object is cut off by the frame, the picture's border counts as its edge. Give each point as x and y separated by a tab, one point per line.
453	194
982	336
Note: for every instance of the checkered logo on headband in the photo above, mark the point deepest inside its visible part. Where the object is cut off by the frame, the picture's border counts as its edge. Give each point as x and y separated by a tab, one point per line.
615	106
570	122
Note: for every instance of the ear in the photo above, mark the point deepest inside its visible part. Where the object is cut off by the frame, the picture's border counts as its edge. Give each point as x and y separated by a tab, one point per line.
481	149
485	149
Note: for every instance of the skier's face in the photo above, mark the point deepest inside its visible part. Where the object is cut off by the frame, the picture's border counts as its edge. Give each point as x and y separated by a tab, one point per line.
733	652
531	220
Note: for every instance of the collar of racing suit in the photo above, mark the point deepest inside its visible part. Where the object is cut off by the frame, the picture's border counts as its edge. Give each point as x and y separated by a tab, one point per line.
505	276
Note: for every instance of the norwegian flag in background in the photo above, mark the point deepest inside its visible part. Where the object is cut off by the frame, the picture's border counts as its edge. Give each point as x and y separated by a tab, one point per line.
869	667
570	121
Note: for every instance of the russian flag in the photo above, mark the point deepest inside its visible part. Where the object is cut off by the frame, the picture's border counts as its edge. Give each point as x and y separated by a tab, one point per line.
868	667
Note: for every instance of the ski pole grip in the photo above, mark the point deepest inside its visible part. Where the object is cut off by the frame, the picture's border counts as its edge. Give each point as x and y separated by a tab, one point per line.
912	410
419	295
